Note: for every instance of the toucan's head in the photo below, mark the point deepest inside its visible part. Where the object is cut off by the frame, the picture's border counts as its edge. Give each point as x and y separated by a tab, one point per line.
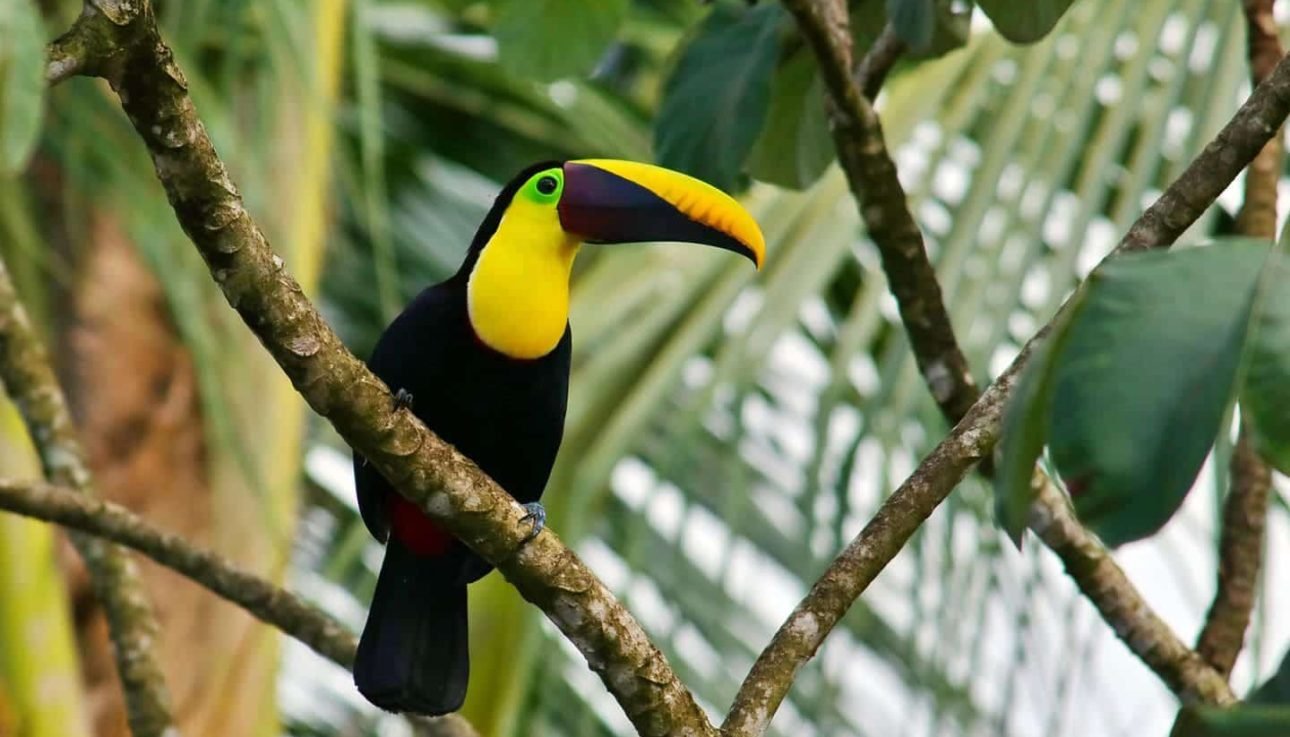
518	266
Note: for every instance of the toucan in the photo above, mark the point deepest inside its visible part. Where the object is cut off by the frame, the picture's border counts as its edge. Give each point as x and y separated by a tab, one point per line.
483	360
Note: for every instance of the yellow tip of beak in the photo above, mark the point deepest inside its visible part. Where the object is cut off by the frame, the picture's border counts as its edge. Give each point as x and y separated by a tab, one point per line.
696	199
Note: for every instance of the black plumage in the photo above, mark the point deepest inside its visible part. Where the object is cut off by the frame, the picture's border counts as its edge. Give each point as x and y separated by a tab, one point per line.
507	415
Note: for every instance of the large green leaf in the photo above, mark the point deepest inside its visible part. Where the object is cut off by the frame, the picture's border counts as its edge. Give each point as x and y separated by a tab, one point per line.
930	28
1238	721
1143	378
550	39
718	94
22	81
1265	395
795	147
1024	22
1275	690
1025	426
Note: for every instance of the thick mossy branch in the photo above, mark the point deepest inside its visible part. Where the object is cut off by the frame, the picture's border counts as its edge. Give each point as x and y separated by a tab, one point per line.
29	379
450	488
269	603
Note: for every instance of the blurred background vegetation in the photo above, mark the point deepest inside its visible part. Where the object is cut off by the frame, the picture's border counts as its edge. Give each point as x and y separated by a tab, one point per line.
727	432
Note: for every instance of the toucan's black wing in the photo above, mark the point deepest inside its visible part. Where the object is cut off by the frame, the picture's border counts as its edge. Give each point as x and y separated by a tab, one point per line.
506	415
409	355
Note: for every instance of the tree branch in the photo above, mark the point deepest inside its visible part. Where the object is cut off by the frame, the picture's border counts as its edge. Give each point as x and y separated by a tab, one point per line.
1088	561
109	521
270	604
1240	556
823	24
1240	546
877	62
444	483
856	566
29	379
871	174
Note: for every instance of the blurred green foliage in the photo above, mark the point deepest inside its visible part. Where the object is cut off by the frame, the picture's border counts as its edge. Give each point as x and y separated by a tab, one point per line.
727	434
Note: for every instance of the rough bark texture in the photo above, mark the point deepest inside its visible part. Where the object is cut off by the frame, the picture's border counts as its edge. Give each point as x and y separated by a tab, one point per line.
871	174
30	381
266	601
1149	637
1240	556
1240	547
152	90
1209	174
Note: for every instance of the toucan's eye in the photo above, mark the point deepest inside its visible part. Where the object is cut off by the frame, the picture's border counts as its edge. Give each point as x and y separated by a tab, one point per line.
547	185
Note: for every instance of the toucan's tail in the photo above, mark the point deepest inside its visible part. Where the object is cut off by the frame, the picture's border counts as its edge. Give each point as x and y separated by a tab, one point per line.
412	656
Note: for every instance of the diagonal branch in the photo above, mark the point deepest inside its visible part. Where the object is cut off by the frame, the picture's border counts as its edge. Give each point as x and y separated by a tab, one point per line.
823	24
29	379
1240	546
1090	564
877	62
451	489
267	602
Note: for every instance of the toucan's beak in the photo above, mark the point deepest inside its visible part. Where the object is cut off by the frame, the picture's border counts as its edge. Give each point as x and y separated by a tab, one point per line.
611	201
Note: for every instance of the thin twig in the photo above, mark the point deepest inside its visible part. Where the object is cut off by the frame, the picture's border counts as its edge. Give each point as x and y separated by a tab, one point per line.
1240	545
444	483
977	432
267	602
103	519
877	62
29	379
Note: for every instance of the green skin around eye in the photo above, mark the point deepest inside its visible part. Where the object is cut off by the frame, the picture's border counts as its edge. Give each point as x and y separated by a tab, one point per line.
532	192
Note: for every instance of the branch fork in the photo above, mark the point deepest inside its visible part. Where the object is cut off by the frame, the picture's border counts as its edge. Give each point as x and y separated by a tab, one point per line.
117	39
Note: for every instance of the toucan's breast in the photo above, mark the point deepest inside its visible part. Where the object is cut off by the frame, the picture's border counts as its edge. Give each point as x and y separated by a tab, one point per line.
505	414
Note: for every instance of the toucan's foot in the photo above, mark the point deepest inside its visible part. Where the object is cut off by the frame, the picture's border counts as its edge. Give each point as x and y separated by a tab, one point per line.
402	399
534	512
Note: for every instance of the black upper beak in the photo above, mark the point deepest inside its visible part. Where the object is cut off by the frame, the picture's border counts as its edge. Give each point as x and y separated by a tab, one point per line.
610	201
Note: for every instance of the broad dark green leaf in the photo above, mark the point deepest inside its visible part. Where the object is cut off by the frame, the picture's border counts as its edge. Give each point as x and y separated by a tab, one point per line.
1275	690
22	82
1265	395
550	39
1025	427
1143	378
1024	22
795	146
1238	721
914	21
945	24
717	96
